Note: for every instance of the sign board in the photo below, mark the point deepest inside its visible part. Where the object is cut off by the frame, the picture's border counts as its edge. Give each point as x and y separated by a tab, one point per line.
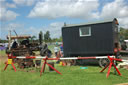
9	61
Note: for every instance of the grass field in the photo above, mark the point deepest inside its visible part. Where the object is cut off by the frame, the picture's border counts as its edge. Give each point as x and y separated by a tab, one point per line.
71	75
2	53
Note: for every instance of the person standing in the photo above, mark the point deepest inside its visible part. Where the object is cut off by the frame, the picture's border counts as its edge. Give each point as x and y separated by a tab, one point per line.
56	49
61	50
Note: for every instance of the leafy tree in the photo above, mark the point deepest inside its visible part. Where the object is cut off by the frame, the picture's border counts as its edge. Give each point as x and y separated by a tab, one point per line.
47	37
33	37
3	41
41	37
60	39
123	34
57	39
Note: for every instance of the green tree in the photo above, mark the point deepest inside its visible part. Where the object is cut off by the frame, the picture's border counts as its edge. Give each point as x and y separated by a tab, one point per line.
41	37
123	34
57	39
33	37
3	41
47	37
60	39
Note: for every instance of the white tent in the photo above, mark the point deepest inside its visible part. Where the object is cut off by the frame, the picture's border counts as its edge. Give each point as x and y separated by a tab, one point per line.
126	41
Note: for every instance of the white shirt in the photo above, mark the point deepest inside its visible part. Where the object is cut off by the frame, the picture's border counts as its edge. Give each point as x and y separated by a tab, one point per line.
56	49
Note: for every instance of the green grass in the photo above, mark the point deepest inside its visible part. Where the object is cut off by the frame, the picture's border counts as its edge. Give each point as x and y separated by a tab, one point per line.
2	53
70	76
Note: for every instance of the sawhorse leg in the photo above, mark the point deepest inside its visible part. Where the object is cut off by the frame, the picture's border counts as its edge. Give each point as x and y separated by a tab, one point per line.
7	66
110	65
53	68
44	65
13	67
104	68
9	62
43	68
116	69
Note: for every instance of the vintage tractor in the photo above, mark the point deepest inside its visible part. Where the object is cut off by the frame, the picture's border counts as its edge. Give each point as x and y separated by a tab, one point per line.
25	46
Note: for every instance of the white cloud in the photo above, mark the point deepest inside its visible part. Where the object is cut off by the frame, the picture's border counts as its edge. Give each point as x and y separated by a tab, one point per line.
5	4
31	31
123	22
12	26
62	8
84	9
7	15
9	5
2	0
55	29
4	28
116	9
24	2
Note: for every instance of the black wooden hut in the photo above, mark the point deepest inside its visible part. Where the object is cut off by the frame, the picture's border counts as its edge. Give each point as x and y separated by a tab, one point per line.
90	39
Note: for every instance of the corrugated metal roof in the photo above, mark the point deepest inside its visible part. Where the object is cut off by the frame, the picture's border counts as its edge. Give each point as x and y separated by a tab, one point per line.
89	23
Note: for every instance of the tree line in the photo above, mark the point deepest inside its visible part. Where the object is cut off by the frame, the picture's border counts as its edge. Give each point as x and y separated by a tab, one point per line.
123	34
46	37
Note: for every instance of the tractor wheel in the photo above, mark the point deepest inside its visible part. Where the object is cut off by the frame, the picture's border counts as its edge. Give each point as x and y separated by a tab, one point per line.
103	62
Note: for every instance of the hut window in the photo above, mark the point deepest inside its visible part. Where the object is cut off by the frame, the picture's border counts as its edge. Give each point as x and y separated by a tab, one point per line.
85	31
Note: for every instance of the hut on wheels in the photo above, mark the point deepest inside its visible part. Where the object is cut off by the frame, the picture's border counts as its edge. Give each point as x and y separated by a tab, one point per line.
90	39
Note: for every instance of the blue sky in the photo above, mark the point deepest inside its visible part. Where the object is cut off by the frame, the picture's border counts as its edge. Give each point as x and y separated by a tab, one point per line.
33	16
